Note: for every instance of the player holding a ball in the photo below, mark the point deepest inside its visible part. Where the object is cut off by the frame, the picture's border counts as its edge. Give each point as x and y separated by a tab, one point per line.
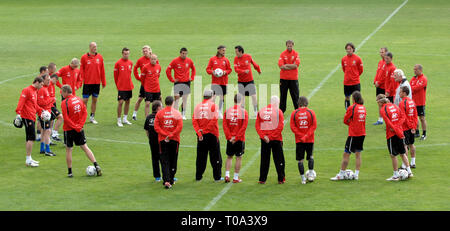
45	101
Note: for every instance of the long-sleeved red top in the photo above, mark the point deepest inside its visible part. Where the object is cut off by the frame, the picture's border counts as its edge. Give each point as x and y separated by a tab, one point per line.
92	69
355	119
150	77
122	75
74	113
139	64
390	84
270	123
168	123
394	119
181	69
303	124
353	68
419	89
242	64
44	100
379	76
234	123
205	118
51	89
222	63
287	57
71	77
27	106
408	107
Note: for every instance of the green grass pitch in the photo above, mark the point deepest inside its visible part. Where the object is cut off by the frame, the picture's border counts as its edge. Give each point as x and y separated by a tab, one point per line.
35	33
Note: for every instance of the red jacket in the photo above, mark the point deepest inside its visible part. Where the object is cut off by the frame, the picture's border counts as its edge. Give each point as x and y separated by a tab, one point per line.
244	63
150	77
394	119
390	84
44	100
303	124
139	64
51	89
222	63
181	70
74	113
355	119
419	89
234	123
353	67
122	75
287	57
27	106
205	117
379	76
270	123
168	122
409	109
92	69
71	77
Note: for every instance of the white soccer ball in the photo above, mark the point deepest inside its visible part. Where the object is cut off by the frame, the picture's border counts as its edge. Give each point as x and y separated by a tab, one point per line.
46	116
403	174
349	175
311	175
218	72
91	171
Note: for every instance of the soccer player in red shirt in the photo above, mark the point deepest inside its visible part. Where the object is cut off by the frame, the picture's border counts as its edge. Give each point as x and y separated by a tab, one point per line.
26	110
303	124
389	81
419	92
92	72
352	67
269	125
122	78
219	83
246	85
145	59
45	101
234	123
355	119
205	123
55	112
394	119
288	63
43	70
408	107
75	113
150	80
181	79
379	80
168	124
70	75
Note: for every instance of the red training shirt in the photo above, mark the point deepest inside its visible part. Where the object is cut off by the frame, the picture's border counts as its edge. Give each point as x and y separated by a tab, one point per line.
205	117
234	123
222	63
419	89
71	77
139	64
122	75
303	124
394	119
270	123
241	64
168	122
353	68
181	70
379	76
355	119
150	77
390	84
74	113
287	57
92	69
44	100
27	106
408	107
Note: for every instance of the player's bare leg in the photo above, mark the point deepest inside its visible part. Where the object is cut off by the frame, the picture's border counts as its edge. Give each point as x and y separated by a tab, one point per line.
29	161
424	127
57	125
69	161
177	98
358	164
184	105
147	108
228	164
126	109
91	157
344	164
412	151
237	169
347	102
255	104
406	163
119	113
93	108
136	107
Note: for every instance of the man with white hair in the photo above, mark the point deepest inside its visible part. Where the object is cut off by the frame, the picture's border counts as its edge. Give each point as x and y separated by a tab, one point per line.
70	75
269	125
400	78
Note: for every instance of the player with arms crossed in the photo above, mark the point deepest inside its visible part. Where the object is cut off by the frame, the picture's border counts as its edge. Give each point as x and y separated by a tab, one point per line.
379	80
408	107
234	123
152	136
288	64
419	92
122	78
303	124
150	80
145	59
352	67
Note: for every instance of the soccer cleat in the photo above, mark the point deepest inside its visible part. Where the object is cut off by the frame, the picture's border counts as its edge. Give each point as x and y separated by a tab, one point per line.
282	182
412	166
92	120
98	170
157	179
42	152
127	122
303	181
50	153
56	138
221	179
184	117
378	123
417	134
167	185
410	175
134	118
175	179
393	178
337	177
227	179
31	164
36	162
261	182
119	123
355	177
52	144
237	181
70	175
423	137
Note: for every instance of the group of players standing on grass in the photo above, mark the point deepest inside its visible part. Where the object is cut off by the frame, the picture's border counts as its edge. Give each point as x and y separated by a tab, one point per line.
164	124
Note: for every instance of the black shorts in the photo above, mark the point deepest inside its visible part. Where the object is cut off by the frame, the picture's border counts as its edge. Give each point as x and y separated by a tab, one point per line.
30	130
247	88
380	91
73	136
421	110
55	113
91	89
142	92
396	146
124	95
237	148
150	96
301	148
182	88
348	90
45	125
409	137
219	89
354	144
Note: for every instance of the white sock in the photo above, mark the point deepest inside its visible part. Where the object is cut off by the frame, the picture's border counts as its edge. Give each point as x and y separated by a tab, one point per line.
227	173
413	160
380	119
409	170
395	173
119	120
236	176
134	113
403	165
356	172
303	177
28	159
341	172
125	117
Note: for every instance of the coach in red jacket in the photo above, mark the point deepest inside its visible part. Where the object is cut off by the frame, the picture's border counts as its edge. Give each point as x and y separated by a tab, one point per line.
408	107
150	80
288	63
122	78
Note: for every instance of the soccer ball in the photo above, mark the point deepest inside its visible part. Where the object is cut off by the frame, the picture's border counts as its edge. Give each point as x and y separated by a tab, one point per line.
311	175
403	174
91	171
46	116
349	175
218	72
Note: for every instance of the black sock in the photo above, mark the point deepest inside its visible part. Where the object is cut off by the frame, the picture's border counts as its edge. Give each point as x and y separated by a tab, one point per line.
301	169
95	164
347	104
92	114
417	131
311	164
424	133
70	170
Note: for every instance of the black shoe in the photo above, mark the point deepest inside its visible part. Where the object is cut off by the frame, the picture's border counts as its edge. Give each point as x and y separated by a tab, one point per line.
417	135
413	166
50	153
99	170
423	137
70	175
42	152
51	144
55	138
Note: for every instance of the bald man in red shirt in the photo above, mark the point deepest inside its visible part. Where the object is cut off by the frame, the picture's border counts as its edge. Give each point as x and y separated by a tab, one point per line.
352	67
419	93
122	78
149	78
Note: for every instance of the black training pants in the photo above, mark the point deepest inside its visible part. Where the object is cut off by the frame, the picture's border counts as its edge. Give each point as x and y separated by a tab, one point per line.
169	158
292	86
276	147
154	148
210	143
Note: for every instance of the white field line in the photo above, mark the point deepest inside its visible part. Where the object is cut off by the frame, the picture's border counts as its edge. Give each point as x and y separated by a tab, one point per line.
17	77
